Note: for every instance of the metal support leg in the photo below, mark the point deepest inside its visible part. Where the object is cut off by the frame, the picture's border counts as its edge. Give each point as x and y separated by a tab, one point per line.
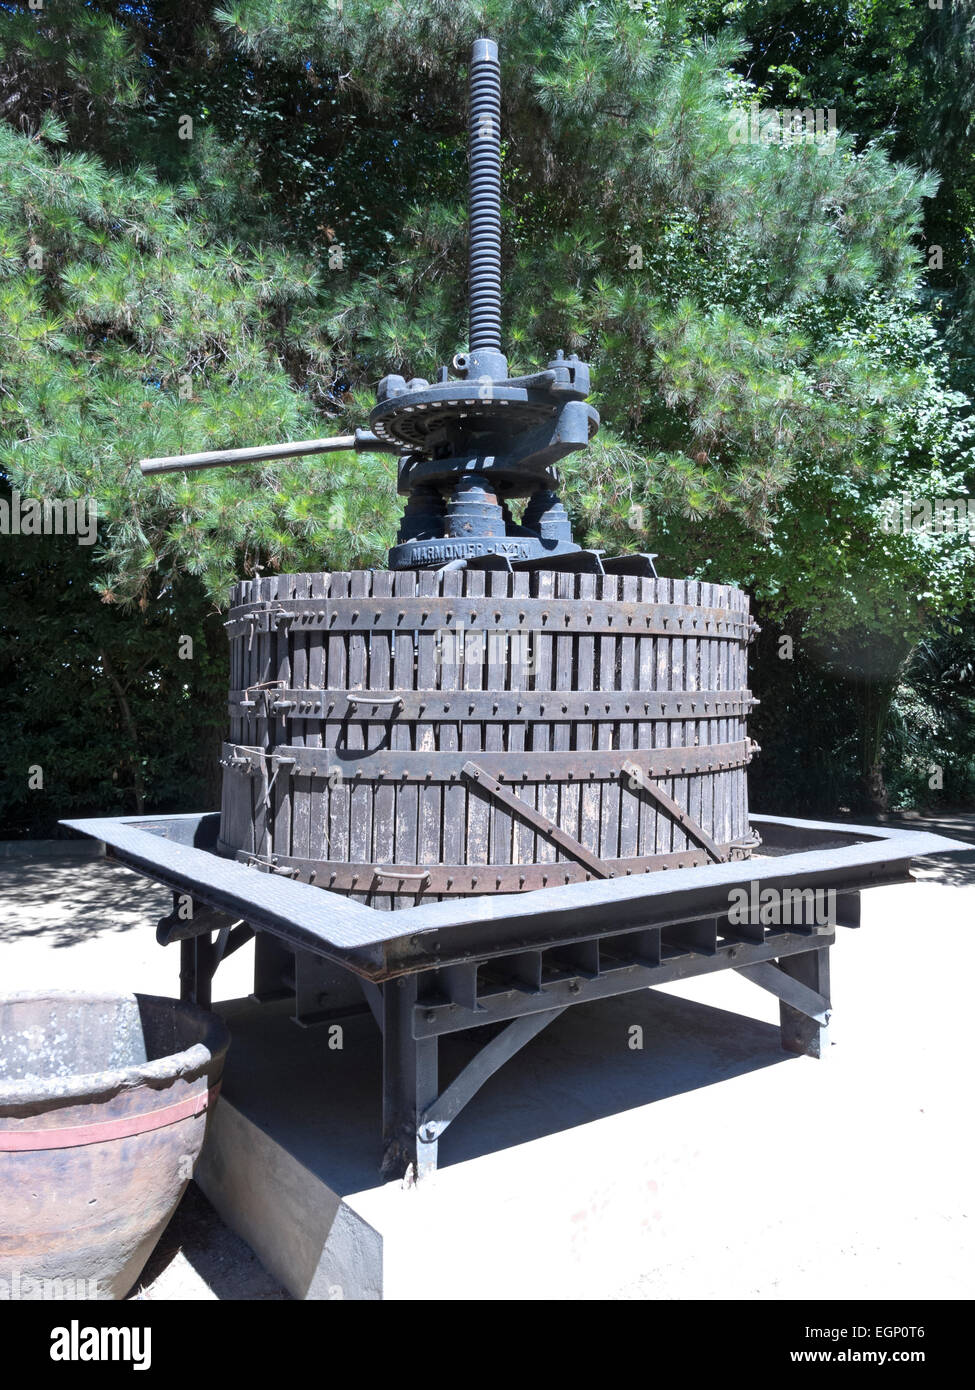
196	970
374	998
409	1084
801	1033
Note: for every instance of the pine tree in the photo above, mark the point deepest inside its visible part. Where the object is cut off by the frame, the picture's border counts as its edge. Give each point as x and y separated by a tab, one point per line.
754	311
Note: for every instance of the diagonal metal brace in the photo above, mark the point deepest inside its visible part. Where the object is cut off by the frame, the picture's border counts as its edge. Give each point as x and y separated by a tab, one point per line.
790	991
202	921
690	827
541	823
481	1068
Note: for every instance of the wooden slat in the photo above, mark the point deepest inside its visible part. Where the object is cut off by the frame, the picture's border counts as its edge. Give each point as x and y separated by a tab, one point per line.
705	793
629	806
520	678
589	798
231	802
646	680
454	798
567	815
692	660
360	797
263	810
609	656
663	832
430	806
493	734
721	811
301	789
380	678
314	729
402	736
677	787
337	669
283	791
478	811
544	798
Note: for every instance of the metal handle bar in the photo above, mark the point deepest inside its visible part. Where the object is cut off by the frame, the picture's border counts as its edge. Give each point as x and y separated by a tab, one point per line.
363	441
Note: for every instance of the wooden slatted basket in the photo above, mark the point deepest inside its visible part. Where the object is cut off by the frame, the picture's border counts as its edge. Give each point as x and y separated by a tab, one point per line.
413	735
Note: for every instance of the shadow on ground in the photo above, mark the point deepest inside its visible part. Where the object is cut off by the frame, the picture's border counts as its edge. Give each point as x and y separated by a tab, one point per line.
586	1060
70	902
198	1257
324	1105
956	870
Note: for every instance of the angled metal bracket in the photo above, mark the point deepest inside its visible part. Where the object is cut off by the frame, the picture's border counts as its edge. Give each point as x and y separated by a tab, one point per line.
448	1105
790	991
639	563
174	927
693	831
541	823
230	939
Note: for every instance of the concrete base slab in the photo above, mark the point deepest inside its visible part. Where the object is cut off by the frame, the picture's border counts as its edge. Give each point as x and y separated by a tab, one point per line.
550	1183
729	1171
705	1164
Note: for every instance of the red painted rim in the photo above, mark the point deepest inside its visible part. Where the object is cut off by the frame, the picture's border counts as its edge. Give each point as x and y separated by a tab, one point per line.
74	1136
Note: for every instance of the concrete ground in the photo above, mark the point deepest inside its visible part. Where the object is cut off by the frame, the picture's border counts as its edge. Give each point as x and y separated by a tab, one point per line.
781	1177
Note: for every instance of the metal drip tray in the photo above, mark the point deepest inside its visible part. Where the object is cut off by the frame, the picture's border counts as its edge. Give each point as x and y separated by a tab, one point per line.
180	851
516	961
